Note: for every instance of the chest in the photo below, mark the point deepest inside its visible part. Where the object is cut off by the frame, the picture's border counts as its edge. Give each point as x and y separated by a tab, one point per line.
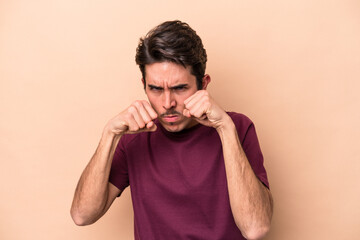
180	167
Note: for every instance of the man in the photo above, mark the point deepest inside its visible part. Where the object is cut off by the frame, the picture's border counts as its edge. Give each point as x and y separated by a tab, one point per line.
195	171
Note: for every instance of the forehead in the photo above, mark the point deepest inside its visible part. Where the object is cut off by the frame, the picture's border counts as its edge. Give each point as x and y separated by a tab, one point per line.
168	73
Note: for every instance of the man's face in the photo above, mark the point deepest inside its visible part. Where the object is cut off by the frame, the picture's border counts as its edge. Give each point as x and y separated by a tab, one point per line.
168	85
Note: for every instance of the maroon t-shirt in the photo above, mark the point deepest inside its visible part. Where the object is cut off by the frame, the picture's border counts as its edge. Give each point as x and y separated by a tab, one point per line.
178	181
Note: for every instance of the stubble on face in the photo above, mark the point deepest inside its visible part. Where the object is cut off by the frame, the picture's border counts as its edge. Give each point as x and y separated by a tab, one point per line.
170	78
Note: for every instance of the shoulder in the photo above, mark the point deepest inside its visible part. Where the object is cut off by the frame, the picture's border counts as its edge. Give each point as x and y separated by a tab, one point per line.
240	120
244	126
128	141
128	138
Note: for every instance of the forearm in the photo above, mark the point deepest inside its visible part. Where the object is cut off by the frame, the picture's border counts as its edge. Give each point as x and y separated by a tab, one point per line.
93	194
92	190
250	200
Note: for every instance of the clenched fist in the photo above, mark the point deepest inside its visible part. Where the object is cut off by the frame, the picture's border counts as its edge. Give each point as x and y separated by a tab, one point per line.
205	110
138	117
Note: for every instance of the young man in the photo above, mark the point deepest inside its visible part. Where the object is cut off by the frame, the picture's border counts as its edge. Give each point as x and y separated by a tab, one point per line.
195	171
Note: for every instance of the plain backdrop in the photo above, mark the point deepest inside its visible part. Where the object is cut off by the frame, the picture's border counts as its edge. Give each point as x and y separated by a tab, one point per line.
293	67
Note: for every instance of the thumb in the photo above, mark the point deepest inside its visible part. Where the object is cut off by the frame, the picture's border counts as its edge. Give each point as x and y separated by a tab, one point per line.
186	113
151	127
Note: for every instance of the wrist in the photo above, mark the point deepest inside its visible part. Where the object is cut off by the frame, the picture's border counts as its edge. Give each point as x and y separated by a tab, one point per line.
109	132
226	126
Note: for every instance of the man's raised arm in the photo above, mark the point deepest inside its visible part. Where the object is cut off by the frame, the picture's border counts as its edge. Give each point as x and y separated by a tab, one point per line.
250	201
94	194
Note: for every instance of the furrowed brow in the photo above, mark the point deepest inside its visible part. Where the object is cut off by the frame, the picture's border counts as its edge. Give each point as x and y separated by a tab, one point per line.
178	86
155	87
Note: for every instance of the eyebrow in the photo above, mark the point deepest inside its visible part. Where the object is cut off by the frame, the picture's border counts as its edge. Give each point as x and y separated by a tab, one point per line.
173	87
179	86
154	86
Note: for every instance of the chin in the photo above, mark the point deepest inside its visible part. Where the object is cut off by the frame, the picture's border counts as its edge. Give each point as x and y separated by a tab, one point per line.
177	126
173	127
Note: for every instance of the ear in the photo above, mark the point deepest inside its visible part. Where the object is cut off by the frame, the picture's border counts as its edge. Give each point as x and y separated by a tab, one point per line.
205	81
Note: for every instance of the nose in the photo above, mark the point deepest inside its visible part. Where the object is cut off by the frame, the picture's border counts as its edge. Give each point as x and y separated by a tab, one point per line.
168	101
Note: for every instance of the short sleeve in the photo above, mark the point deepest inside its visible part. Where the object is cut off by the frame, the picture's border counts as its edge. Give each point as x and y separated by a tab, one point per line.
250	144
119	176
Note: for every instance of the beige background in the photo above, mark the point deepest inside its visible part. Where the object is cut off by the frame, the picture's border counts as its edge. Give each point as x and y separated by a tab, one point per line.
66	67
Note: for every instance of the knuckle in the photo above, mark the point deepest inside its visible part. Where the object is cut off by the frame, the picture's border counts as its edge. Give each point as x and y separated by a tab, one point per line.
137	103
131	109
144	103
146	119
128	115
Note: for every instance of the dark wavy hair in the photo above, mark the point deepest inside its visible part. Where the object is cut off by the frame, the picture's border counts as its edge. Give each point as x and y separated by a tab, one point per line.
173	41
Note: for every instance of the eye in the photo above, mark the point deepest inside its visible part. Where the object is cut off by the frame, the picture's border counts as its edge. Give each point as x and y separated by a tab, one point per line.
155	89
179	88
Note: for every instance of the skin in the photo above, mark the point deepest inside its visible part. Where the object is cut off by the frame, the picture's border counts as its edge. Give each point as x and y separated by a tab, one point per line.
177	103
168	85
